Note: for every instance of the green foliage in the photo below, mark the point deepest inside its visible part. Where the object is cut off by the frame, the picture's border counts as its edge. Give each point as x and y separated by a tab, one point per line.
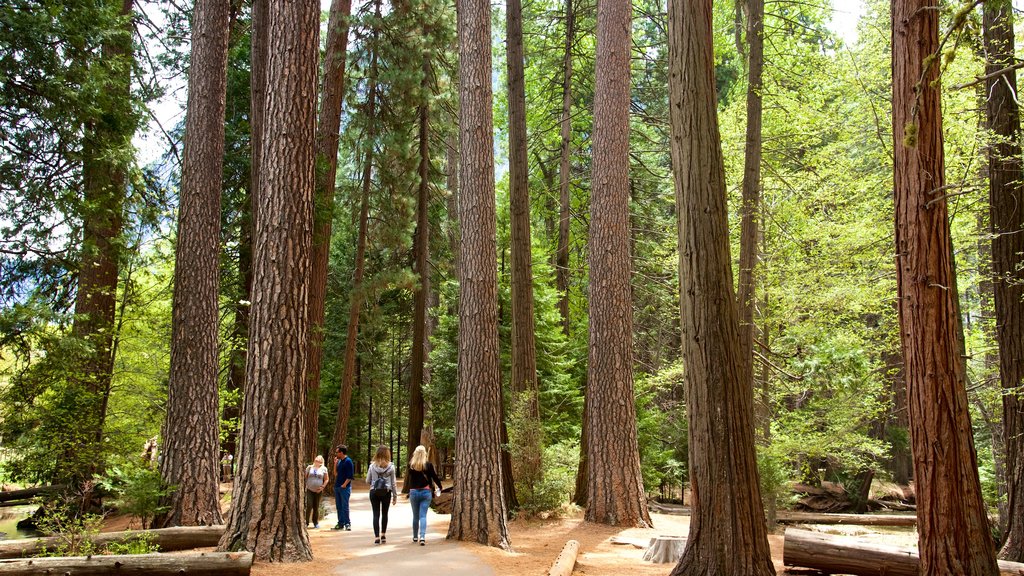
74	533
550	494
138	490
143	543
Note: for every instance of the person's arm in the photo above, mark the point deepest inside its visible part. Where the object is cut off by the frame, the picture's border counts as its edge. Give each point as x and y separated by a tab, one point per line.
350	472
369	473
327	477
394	486
433	475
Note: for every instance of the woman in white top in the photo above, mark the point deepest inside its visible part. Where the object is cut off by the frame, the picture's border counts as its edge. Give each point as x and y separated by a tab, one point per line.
316	479
383	493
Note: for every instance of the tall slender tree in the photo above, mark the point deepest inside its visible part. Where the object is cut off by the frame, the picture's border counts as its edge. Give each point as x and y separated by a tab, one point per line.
478	509
564	177
1006	196
527	464
266	516
332	92
107	134
727	525
952	523
191	429
616	486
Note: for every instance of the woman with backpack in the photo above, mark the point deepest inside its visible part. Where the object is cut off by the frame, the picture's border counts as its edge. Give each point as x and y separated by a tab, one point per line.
381	478
422	478
316	479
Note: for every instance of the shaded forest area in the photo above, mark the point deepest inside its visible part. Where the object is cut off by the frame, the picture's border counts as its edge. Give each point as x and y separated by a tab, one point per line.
607	251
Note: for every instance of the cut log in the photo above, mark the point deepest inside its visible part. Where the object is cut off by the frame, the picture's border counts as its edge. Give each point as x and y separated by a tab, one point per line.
28	493
168	539
843	555
853	519
443	503
665	549
202	564
566	560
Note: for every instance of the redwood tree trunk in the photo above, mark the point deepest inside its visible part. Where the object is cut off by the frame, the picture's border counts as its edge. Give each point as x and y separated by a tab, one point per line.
348	375
751	205
727	525
421	252
191	434
478	507
266	513
331	95
104	188
616	486
1006	195
527	464
565	126
952	523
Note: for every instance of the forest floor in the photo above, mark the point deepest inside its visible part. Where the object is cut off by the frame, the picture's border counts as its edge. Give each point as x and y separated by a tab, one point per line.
604	550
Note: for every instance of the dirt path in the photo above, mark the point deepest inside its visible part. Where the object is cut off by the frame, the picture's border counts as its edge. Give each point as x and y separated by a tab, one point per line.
344	552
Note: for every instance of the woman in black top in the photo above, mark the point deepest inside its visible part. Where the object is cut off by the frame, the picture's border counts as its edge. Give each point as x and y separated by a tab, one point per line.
422	479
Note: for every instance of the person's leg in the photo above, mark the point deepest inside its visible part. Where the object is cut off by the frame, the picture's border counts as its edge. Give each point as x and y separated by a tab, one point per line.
343	517
424	506
316	507
308	506
414	500
338	506
385	505
375	505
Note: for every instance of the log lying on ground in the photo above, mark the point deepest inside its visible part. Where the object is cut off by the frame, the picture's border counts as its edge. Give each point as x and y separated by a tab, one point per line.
566	560
854	519
28	493
203	564
168	539
839	555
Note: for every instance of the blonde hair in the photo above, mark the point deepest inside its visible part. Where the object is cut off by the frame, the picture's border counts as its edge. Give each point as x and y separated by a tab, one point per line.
318	458
419	459
383	456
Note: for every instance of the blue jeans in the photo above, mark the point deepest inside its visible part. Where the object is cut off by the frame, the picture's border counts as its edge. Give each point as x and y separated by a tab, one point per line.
341	496
420	504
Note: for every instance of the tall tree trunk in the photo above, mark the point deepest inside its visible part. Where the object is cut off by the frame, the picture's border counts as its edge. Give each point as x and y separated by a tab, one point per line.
266	515
727	525
478	507
421	251
107	136
332	93
356	294
751	205
616	485
565	128
952	524
452	182
1006	195
525	406
191	434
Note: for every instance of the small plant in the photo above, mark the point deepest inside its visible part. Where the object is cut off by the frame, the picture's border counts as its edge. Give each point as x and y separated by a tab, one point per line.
139	491
144	543
74	534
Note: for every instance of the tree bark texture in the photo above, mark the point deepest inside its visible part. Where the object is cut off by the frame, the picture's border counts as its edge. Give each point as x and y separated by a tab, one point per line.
527	465
564	176
616	487
332	93
479	509
191	434
421	253
952	525
266	514
348	374
1006	215
751	195
727	525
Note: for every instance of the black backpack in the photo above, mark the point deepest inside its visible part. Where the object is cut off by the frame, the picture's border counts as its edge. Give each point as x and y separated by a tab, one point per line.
380	487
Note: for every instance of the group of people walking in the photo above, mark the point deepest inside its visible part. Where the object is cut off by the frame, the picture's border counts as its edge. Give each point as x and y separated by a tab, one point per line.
381	477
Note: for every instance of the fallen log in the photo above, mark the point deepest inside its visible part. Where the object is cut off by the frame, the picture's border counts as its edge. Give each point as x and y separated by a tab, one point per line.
855	519
202	564
566	560
27	493
168	539
842	555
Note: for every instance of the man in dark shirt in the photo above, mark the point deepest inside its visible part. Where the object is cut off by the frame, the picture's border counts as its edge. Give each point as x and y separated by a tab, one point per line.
344	471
